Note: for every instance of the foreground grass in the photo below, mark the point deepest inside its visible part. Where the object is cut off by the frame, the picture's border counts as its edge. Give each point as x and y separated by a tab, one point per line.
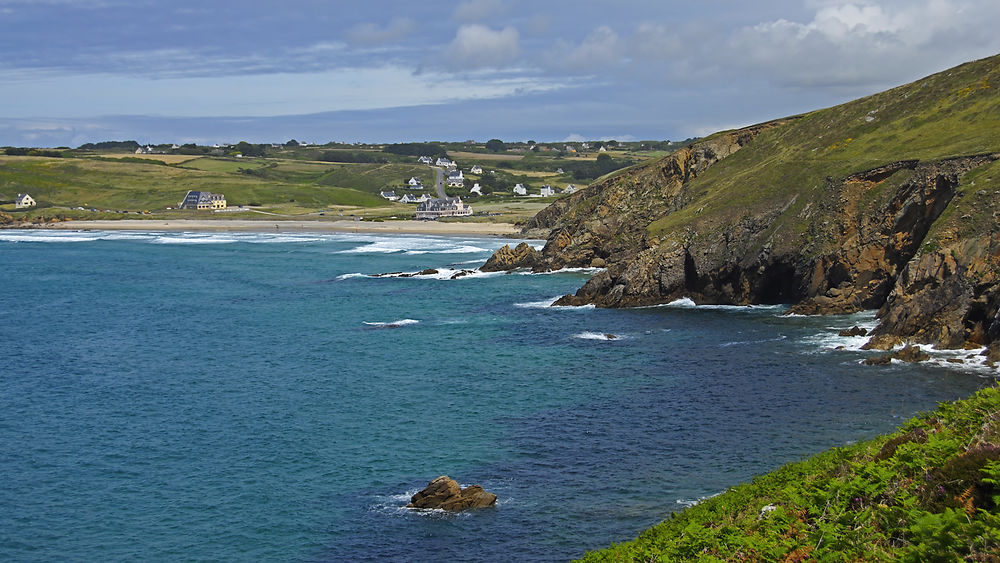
929	492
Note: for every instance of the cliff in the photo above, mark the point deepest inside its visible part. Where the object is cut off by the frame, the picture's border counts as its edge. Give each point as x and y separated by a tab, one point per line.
890	202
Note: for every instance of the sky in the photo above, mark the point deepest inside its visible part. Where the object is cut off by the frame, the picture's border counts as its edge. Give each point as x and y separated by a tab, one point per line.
155	71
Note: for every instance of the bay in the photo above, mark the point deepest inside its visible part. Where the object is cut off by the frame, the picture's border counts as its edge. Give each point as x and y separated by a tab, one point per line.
259	396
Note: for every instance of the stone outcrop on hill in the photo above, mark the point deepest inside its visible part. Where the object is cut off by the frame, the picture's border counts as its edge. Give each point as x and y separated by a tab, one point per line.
444	493
774	214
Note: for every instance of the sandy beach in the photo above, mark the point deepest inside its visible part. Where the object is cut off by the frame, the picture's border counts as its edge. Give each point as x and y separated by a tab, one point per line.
412	227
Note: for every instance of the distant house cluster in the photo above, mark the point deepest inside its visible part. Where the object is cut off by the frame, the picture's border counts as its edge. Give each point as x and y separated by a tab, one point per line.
203	200
443	207
23	201
410	198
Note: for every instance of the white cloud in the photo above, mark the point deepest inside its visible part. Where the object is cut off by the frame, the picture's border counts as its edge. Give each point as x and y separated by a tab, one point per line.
373	34
477	46
599	49
477	10
85	95
876	43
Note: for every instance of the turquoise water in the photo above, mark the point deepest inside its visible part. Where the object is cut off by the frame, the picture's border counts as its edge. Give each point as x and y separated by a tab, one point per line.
261	397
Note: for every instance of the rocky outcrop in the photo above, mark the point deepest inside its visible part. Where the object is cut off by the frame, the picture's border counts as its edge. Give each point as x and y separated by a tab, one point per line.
444	493
774	214
506	258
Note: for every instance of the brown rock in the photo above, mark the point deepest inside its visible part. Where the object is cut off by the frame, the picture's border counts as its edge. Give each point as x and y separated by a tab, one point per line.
444	493
506	258
911	354
882	360
854	331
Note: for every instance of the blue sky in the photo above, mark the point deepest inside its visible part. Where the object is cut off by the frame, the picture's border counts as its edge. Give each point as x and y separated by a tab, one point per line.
385	71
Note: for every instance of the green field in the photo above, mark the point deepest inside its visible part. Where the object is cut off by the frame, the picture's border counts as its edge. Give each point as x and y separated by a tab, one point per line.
289	181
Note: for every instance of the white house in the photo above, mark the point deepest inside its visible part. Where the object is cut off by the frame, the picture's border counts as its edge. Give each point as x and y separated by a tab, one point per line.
547	191
444	162
476	189
414	183
425	160
456	179
476	169
410	198
23	201
519	189
602	149
571	188
443	207
390	195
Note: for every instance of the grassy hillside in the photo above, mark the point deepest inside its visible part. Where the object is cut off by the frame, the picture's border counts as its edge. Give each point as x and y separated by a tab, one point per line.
929	492
953	113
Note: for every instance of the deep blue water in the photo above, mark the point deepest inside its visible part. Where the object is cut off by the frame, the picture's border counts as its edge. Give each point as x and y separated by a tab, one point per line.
230	397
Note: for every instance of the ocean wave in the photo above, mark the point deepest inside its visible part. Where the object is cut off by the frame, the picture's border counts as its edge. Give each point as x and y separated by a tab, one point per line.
351	275
544	304
47	237
559	271
416	245
688	303
778	338
606	336
392	324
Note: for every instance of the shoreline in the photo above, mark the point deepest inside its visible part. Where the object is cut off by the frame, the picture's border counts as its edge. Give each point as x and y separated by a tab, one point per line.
222	225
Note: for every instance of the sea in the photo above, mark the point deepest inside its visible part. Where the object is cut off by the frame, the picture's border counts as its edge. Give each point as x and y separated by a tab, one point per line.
268	397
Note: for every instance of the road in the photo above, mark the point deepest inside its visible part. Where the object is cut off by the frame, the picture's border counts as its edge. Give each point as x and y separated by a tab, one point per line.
439	181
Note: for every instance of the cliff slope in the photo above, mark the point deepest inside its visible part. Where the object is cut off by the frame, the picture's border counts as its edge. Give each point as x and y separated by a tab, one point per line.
890	202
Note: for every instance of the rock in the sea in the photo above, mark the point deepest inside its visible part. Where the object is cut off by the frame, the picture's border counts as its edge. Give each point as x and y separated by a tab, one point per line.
854	331
910	354
506	258
444	493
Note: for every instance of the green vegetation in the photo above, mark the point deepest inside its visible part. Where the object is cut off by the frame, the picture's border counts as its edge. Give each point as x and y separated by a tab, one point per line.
954	113
929	492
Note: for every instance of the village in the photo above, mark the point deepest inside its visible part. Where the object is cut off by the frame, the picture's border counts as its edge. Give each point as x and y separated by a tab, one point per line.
465	181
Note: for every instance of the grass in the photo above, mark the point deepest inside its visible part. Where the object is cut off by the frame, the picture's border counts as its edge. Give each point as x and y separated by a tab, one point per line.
953	113
929	492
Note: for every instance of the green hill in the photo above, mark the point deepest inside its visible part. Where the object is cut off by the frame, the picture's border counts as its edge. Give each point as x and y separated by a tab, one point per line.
889	202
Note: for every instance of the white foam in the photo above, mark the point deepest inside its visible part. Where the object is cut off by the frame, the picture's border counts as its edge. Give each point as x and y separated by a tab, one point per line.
21	236
545	304
688	303
559	271
605	336
351	275
393	324
417	245
778	338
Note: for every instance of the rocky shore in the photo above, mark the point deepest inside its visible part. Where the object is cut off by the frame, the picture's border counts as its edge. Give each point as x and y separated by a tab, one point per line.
773	213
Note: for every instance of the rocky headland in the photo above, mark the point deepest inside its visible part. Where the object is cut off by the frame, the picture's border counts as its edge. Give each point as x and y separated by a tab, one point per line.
890	202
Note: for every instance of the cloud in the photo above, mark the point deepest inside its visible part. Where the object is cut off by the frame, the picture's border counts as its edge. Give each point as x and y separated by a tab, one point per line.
599	49
852	43
477	10
368	34
477	46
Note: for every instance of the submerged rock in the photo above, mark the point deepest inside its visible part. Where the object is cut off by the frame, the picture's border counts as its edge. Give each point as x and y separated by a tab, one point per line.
444	493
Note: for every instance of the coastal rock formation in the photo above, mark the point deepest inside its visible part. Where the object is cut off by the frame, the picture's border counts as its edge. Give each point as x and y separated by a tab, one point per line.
444	493
891	202
506	258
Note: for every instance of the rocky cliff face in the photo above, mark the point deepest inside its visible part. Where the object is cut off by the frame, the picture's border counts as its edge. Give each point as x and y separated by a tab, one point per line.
776	214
